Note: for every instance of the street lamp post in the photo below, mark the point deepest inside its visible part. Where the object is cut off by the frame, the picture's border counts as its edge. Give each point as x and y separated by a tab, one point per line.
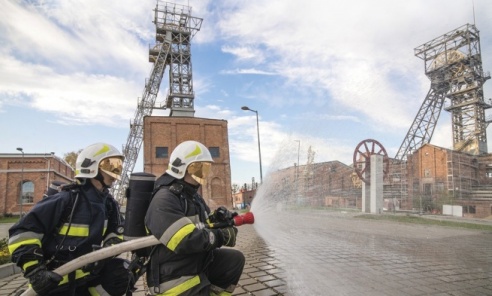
298	150
49	168
22	181
297	168
258	130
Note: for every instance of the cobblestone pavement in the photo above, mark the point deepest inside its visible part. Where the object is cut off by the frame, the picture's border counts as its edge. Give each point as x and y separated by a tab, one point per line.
336	254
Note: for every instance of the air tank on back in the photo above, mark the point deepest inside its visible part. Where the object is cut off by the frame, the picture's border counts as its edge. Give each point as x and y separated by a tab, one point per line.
139	195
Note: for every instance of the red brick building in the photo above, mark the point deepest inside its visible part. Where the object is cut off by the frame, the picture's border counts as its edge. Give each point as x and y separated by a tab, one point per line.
326	184
162	134
439	176
35	172
432	177
243	198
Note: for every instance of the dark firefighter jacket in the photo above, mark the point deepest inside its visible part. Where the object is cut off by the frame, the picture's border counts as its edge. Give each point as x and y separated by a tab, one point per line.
175	217
46	227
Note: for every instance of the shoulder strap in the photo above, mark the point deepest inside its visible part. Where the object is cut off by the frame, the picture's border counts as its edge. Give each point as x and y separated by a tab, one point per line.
67	211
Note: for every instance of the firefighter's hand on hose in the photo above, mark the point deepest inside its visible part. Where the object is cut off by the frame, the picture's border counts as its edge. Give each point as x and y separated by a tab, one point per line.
96	267
43	280
221	214
112	241
228	236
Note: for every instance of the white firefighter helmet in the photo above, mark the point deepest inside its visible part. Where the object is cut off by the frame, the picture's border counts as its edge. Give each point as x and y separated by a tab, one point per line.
184	155
99	156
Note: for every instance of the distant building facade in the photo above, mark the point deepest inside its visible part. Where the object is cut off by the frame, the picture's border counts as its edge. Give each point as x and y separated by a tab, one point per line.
25	179
243	198
438	176
431	177
326	184
163	133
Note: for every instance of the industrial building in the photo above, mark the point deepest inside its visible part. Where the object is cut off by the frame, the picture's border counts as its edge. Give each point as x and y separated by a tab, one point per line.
162	134
25	177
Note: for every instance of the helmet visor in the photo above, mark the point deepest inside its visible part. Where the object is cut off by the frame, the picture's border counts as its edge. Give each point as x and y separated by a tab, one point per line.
112	166
199	171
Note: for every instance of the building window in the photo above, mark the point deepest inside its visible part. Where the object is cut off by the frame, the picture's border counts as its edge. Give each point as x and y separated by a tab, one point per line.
161	152
28	192
469	209
214	151
427	189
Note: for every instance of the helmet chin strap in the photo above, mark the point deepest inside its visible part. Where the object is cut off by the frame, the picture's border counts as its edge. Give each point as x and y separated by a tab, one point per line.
100	178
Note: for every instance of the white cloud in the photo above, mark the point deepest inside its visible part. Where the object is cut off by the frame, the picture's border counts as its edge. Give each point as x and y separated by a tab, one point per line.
348	66
76	36
245	53
250	71
77	98
360	52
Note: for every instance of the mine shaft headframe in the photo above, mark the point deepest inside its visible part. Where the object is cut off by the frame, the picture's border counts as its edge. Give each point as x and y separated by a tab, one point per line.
175	18
453	63
175	27
441	51
362	158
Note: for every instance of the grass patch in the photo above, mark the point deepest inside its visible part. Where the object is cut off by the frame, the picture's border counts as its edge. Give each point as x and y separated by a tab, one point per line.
4	250
9	219
426	221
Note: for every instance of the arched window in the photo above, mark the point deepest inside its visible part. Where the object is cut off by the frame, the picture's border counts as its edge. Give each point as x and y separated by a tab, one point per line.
27	192
217	189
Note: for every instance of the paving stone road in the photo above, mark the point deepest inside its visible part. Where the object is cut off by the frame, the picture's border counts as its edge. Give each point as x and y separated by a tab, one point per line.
339	254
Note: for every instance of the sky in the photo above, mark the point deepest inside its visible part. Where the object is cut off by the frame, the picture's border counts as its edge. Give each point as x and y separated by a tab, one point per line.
323	75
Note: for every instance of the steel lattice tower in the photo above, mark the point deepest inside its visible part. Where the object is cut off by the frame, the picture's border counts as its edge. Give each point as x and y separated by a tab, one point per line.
453	63
175	27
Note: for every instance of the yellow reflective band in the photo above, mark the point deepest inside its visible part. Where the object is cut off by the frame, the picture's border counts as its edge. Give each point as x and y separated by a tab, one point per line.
105	227
29	264
33	241
78	274
195	152
223	293
82	231
93	291
104	149
183	287
179	235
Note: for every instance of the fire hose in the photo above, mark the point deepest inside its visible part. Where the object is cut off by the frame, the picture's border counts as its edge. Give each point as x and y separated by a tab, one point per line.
132	245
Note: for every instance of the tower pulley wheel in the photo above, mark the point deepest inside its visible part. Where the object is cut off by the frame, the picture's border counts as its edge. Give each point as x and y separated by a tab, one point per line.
362	158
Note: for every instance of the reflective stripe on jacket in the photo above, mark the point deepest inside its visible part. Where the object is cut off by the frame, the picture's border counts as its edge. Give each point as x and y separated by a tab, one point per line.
45	226
176	219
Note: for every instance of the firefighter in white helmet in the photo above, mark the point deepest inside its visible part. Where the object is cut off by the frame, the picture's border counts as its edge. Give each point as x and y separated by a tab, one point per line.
67	225
189	260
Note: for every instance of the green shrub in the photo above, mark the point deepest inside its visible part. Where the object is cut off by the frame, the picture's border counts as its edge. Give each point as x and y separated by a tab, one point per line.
4	251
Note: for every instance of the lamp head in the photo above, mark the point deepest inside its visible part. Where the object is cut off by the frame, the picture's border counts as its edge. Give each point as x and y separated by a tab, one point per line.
245	108
20	149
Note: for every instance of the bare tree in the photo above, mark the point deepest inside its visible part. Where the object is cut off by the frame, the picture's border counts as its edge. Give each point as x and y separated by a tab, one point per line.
235	188
71	157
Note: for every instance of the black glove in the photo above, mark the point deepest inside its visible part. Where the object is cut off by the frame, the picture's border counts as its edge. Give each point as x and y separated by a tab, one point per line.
43	280
96	267
221	214
228	236
112	241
